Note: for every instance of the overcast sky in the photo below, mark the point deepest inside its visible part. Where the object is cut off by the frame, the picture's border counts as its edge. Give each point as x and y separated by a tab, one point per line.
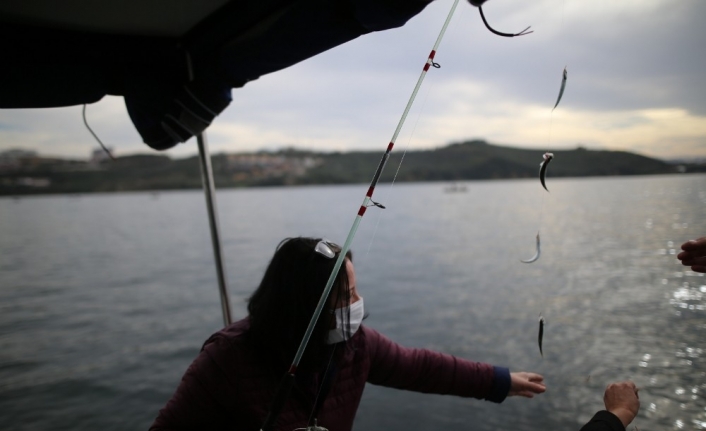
636	71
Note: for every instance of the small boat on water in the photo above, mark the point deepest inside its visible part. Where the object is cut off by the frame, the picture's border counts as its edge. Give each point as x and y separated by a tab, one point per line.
455	188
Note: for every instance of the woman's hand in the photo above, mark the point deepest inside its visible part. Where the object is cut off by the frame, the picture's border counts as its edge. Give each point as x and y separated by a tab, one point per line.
525	384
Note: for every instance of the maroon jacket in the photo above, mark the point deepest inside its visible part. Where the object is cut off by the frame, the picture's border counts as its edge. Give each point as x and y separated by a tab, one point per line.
228	387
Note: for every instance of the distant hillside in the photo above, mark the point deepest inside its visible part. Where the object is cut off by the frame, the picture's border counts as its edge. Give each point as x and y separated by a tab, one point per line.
480	160
462	161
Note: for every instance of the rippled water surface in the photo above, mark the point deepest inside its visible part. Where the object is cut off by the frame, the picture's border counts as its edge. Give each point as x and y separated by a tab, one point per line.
106	299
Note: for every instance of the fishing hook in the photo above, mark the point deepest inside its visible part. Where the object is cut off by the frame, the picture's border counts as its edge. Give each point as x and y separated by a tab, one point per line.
379	205
522	33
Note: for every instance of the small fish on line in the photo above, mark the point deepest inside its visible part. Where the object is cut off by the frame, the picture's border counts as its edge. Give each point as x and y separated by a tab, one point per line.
536	255
543	168
541	333
561	90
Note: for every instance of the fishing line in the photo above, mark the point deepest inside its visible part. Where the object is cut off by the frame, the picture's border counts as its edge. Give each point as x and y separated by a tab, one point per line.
288	379
94	135
454	28
543	167
394	178
549	156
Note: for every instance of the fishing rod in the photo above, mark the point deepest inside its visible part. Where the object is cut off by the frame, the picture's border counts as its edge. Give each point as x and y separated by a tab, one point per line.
288	379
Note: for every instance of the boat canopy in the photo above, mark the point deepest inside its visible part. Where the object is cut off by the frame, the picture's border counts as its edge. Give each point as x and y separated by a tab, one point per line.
175	62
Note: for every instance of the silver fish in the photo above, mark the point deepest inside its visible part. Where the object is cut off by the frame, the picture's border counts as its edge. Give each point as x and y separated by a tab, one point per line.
561	90
543	168
541	333
536	256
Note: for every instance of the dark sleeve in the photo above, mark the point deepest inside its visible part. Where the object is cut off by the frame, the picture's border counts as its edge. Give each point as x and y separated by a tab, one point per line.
423	370
604	421
198	401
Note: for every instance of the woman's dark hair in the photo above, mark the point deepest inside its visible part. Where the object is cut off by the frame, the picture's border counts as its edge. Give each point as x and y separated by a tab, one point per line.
282	306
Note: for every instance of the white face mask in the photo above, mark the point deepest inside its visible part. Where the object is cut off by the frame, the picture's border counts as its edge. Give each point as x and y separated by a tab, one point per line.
356	312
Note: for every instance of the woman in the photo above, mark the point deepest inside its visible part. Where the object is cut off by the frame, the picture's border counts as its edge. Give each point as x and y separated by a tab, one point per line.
234	380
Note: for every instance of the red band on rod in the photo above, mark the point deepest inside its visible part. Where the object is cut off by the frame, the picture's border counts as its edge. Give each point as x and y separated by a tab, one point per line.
370	191
361	211
292	369
389	146
430	60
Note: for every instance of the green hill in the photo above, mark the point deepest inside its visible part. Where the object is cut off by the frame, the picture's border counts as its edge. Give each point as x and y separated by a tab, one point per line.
469	160
480	160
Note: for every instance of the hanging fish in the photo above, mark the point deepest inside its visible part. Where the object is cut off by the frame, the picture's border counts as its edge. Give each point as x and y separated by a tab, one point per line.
541	333
561	90
543	168
536	255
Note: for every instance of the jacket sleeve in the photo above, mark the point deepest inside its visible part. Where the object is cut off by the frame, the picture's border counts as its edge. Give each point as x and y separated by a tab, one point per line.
604	421
198	401
423	370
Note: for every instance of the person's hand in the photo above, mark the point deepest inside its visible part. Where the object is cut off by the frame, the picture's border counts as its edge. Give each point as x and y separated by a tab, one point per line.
694	254
621	399
526	384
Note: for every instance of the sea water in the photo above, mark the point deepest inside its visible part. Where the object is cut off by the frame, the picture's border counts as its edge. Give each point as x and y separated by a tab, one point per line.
105	299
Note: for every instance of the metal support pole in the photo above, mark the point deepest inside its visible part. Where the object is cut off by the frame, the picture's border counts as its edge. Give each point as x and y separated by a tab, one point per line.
210	190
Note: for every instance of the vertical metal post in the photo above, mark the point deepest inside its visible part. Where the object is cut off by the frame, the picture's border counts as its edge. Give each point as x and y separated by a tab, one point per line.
209	188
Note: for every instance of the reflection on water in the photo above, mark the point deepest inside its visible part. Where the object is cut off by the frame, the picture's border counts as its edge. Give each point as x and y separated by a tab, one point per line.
681	404
617	305
106	299
688	298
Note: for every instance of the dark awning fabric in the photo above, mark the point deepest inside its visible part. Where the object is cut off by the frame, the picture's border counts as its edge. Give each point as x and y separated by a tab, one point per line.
174	85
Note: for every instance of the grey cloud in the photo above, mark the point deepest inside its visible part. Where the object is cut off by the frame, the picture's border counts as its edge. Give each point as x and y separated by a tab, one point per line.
639	58
635	61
